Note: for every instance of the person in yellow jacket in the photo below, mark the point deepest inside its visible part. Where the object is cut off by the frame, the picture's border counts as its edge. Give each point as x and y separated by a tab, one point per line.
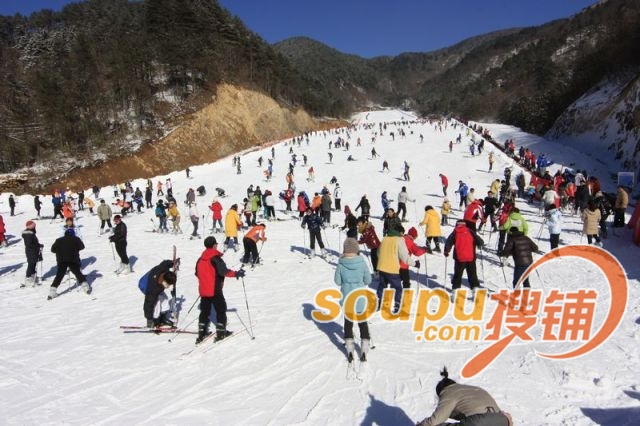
391	252
90	204
445	211
432	231
174	214
495	186
250	243
231	225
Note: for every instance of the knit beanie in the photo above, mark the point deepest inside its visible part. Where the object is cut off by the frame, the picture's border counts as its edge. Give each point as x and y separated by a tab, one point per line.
413	232
446	381
351	246
30	224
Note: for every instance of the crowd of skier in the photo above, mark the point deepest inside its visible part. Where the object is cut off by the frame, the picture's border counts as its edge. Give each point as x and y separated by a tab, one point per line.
391	253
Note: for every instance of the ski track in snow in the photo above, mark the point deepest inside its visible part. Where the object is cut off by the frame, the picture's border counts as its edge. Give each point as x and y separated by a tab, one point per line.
66	361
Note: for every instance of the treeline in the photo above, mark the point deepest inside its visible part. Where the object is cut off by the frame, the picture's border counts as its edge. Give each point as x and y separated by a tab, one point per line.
89	75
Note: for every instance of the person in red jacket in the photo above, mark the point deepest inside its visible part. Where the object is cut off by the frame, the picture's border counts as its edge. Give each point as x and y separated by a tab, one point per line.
3	240
211	272
414	249
370	239
464	241
302	205
216	208
474	213
445	184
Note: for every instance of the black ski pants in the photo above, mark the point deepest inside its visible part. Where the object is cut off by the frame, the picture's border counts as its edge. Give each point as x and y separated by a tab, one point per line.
219	304
250	250
314	234
121	249
348	329
62	270
472	274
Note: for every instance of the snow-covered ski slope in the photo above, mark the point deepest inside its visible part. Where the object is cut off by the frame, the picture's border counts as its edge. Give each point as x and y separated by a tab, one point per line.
67	361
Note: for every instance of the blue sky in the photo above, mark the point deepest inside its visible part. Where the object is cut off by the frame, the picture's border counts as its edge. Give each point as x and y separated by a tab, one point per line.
374	27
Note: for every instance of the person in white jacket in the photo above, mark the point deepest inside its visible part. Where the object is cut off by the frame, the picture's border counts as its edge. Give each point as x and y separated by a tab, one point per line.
194	215
553	216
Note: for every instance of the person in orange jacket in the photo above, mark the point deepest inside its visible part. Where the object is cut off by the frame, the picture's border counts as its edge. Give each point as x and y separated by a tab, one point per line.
250	243
67	212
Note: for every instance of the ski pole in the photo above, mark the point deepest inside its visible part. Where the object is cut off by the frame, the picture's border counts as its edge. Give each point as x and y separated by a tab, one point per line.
248	311
185	327
482	264
504	275
304	242
426	269
113	253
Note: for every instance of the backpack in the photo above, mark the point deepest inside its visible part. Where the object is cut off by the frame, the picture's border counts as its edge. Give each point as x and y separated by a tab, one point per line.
142	283
306	198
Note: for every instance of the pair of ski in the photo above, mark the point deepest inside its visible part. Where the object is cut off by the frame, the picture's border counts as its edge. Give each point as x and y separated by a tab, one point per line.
128	329
204	348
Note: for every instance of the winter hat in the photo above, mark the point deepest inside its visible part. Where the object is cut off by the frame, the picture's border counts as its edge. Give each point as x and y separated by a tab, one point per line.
170	277
117	217
413	232
351	246
446	381
209	242
30	224
70	231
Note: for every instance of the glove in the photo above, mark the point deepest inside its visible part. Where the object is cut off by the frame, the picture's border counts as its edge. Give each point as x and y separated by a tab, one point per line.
240	273
151	323
41	246
446	254
417	264
302	226
111	239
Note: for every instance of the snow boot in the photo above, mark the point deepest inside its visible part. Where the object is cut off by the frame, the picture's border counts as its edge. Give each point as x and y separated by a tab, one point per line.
53	293
222	332
364	349
120	268
351	347
86	287
323	253
203	332
29	282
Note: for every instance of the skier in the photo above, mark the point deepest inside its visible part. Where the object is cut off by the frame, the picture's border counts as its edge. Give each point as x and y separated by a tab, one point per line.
190	197
194	215
472	405
12	205
330	157
104	214
432	230
554	221
231	225
351	274
405	174
350	223
463	191
33	251
391	253
314	223
250	240
67	249
364	207
591	219
620	207
385	166
412	249
521	248
490	205
445	211
148	196
445	183
174	214
464	242
38	205
161	214
337	196
403	197
3	240
119	238
216	208
211	272
159	279
370	239
385	201
325	207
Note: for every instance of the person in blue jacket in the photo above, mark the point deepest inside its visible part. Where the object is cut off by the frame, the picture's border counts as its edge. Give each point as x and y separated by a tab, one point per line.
351	274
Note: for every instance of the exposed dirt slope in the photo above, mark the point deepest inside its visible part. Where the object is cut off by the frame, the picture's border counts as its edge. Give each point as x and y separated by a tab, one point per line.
236	119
